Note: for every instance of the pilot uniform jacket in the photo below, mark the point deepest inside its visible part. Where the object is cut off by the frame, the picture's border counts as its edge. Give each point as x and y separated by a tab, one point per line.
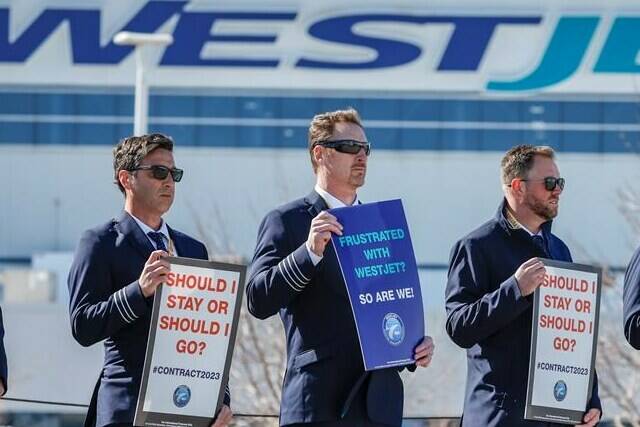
107	304
631	301
488	316
3	357
324	368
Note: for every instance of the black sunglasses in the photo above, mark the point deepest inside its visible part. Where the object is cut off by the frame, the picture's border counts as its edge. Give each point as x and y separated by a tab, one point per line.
550	182
348	146
161	172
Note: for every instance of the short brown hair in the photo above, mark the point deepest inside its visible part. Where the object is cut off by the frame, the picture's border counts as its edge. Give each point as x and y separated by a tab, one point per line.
518	161
130	152
322	127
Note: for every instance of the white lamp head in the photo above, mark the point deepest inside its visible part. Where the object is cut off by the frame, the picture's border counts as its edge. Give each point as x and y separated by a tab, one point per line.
137	39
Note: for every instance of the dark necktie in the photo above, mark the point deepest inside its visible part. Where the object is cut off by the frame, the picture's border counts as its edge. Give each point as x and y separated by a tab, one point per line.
158	239
538	240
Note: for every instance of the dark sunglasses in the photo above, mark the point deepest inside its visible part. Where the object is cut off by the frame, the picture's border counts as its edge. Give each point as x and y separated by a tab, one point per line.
550	182
348	146
161	172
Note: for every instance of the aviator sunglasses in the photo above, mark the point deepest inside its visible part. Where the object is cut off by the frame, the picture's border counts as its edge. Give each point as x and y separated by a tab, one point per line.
550	182
348	146
161	172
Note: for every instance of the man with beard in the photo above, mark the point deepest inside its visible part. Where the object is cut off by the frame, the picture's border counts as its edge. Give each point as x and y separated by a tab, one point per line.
3	361
631	301
493	273
295	272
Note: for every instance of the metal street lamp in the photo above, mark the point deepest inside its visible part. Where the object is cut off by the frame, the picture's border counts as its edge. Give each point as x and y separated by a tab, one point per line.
139	41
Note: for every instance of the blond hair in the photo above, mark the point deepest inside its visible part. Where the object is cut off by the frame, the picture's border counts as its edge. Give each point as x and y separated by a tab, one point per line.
323	125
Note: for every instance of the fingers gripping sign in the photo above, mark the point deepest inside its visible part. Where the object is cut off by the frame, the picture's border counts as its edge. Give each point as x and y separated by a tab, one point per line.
154	272
423	353
223	418
320	232
530	275
591	418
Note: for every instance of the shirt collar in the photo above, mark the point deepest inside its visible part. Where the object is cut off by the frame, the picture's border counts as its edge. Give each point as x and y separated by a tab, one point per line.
513	223
333	202
146	229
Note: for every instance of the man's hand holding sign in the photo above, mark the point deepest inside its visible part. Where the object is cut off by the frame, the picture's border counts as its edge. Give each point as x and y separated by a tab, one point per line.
154	272
424	352
223	418
530	275
591	418
320	232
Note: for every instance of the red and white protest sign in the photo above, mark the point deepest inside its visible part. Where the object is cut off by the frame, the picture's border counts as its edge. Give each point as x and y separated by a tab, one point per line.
191	339
563	342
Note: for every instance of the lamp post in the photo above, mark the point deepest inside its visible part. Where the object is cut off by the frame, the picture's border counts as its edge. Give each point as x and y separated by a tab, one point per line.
139	41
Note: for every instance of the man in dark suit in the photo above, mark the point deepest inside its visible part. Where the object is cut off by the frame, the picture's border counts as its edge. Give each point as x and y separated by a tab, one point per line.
631	301
295	273
493	273
3	361
116	270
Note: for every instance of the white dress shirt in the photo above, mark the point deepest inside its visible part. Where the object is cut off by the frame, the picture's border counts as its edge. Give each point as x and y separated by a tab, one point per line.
514	223
164	230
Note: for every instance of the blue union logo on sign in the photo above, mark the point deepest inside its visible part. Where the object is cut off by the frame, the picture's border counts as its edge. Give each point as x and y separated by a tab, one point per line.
560	390
181	396
393	329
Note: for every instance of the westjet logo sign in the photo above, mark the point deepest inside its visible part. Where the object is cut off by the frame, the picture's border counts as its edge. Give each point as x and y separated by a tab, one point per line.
310	45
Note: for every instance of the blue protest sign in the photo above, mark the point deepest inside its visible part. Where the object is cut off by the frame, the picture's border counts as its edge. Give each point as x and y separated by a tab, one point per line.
379	268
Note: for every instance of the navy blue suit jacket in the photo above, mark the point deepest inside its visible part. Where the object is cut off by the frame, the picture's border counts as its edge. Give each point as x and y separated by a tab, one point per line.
3	357
324	361
488	316
107	304
631	301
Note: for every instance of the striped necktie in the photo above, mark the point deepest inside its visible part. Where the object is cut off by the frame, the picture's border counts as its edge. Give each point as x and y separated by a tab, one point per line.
158	239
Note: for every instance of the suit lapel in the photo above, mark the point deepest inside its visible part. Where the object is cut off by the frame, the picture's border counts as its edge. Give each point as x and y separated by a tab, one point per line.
180	249
132	233
316	204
